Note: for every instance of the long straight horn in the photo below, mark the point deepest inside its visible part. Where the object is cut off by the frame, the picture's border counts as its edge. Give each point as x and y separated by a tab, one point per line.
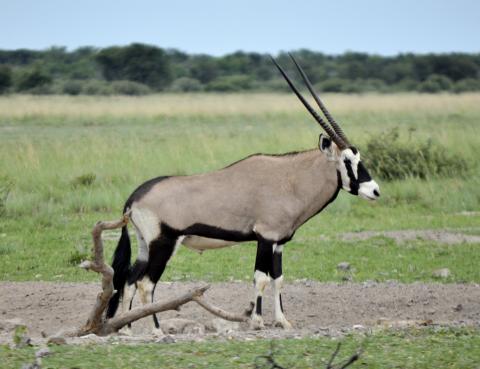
340	143
334	124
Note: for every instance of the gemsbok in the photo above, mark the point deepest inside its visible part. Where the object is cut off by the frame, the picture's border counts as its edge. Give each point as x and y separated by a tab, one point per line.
262	198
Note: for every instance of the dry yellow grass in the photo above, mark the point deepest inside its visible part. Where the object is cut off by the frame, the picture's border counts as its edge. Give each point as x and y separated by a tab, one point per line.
25	106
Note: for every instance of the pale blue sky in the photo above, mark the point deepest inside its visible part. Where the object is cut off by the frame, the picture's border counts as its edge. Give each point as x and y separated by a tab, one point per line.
219	27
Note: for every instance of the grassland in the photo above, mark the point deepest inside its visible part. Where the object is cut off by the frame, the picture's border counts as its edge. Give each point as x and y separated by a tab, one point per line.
446	348
68	162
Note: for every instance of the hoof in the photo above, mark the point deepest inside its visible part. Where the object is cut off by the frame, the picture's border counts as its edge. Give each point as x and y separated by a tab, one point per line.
256	323
157	332
284	323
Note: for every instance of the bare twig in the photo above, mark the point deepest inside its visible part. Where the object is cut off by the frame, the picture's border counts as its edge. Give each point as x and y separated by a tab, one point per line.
345	363
220	312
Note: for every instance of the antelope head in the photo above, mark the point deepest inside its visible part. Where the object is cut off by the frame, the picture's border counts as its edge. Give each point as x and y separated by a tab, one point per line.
355	177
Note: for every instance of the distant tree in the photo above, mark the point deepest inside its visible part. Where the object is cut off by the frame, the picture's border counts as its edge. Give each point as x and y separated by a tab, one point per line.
140	63
204	68
5	78
33	79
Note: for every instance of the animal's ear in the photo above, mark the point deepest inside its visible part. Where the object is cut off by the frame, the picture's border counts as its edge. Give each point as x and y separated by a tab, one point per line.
325	145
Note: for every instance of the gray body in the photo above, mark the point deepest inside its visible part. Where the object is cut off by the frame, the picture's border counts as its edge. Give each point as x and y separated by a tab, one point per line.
268	196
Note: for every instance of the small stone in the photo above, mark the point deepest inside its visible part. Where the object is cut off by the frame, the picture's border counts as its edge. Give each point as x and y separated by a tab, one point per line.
441	273
57	340
166	339
459	307
223	326
42	352
179	325
358	326
344	266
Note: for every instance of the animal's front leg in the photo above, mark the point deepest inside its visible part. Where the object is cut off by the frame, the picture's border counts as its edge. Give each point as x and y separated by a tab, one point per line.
277	284
263	263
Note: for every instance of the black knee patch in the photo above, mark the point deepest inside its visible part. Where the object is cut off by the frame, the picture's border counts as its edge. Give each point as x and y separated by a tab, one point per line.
276	265
258	307
263	261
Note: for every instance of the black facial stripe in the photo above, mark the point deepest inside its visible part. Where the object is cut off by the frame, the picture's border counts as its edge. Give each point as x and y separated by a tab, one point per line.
363	175
351	175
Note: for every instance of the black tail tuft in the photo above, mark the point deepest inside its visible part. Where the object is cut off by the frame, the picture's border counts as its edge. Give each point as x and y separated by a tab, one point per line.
121	269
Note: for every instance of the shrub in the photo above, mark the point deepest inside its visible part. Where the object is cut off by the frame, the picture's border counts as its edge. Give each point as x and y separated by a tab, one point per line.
97	87
466	85
130	88
5	78
84	180
389	159
185	84
435	83
72	87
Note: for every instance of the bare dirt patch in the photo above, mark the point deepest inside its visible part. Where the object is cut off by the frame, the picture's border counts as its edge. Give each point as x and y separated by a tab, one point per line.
436	235
313	308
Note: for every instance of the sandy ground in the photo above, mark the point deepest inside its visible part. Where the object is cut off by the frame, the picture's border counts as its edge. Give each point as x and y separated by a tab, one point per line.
313	308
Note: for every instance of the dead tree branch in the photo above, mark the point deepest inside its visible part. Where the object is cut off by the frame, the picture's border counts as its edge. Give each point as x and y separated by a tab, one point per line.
97	323
220	312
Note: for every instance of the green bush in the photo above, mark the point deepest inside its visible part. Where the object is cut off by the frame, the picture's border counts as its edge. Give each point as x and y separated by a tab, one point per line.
5	78
130	88
390	159
84	180
435	83
467	85
72	87
185	84
97	87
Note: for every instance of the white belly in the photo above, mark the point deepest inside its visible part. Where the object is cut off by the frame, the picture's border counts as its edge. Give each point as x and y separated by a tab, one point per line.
203	243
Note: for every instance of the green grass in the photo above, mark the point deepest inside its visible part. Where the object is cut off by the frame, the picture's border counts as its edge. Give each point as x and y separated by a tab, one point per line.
425	348
68	162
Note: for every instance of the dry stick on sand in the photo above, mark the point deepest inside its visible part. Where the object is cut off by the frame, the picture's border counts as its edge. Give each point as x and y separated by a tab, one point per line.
96	322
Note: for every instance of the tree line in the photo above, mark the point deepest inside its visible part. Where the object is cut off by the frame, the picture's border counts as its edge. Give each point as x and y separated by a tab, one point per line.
139	69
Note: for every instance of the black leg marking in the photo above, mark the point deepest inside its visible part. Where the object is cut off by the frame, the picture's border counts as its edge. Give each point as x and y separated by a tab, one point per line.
258	308
160	251
263	261
155	319
129	325
276	270
281	304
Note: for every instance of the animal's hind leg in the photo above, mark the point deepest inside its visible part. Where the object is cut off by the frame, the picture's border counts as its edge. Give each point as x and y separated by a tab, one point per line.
160	252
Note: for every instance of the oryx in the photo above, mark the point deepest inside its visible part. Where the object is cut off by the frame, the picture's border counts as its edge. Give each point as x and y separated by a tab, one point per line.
262	198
